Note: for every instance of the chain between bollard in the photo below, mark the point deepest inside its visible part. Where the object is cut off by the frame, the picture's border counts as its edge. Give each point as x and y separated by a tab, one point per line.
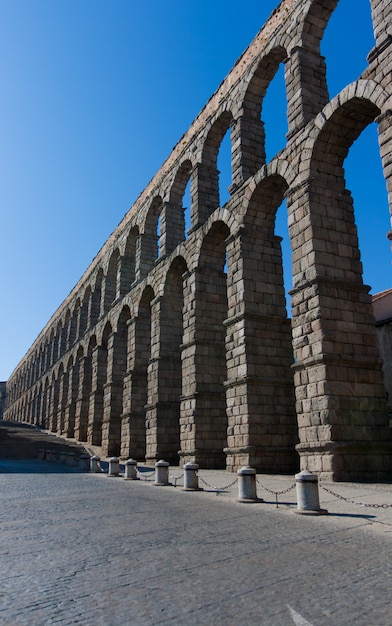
365	504
276	493
144	472
176	478
217	490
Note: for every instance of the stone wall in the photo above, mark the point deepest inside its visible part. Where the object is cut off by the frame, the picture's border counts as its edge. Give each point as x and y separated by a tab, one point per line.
177	344
382	308
3	392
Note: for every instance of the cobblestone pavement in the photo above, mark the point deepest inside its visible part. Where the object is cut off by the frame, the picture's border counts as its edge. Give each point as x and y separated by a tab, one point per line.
82	548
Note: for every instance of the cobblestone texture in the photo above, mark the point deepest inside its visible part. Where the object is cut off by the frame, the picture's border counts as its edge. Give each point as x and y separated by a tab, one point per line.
87	549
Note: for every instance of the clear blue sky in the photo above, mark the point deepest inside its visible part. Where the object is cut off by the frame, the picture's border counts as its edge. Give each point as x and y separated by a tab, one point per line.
94	95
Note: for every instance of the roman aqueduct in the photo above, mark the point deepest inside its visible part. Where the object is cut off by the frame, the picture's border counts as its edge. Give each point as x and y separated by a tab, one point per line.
175	344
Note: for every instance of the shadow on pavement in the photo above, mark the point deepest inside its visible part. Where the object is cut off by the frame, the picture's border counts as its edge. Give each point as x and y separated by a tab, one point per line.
31	466
20	446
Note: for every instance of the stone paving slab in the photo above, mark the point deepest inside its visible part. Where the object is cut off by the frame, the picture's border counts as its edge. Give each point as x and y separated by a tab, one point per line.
88	549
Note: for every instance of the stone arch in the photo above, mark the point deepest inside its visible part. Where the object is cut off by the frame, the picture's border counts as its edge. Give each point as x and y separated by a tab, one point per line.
152	246
174	209
33	405
357	105
84	359
111	281
259	335
382	22
165	369
207	195
55	398
128	261
45	403
341	340
248	130
136	425
208	404
83	313
73	370
49	356
63	396
279	169
311	27
64	334
73	324
117	346
306	68
95	300
99	379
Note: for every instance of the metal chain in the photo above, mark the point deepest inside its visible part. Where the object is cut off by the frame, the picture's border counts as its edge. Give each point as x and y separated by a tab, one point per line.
143	474
176	478
368	505
216	489
101	468
276	493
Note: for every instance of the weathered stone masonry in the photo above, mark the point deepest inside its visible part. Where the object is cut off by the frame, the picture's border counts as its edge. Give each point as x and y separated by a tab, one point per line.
177	345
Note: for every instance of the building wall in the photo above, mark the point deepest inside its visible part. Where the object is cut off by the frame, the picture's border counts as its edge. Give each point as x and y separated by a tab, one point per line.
178	346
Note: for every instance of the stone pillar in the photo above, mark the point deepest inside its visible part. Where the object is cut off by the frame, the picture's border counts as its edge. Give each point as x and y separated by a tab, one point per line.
206	192
112	398
262	427
306	84
94	309
341	405
63	399
82	402
54	401
173	227
46	406
203	421
248	152
70	409
133	426
382	21
133	422
385	140
164	373
94	428
148	254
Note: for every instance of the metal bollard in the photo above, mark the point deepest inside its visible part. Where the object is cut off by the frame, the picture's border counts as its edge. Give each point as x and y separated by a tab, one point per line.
247	491
114	466
307	494
71	459
94	464
130	470
161	474
84	462
191	479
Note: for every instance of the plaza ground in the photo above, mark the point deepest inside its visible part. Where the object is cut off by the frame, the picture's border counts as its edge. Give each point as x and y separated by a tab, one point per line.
82	548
